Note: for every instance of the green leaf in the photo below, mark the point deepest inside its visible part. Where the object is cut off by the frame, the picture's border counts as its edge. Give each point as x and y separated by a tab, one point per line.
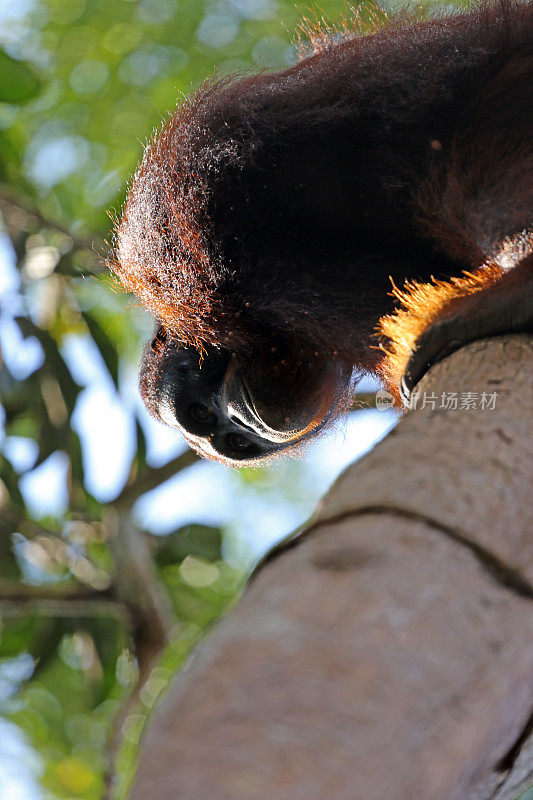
103	343
140	455
10	480
54	361
18	82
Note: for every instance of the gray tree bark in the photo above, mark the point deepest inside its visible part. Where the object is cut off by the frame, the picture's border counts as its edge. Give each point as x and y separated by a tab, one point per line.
388	653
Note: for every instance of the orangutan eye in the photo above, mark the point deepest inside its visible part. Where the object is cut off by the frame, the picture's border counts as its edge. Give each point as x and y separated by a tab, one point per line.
201	413
238	443
159	339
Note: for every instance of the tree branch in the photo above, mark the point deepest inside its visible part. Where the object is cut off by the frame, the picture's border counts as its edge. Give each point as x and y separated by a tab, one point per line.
152	477
388	652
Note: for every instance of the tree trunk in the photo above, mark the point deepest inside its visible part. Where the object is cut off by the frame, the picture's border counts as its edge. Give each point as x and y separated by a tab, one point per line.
387	654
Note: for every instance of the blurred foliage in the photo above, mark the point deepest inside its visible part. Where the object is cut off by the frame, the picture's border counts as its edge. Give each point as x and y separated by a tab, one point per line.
18	82
110	72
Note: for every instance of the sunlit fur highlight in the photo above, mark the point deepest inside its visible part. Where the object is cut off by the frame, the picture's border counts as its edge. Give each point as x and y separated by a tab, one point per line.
161	250
315	33
420	304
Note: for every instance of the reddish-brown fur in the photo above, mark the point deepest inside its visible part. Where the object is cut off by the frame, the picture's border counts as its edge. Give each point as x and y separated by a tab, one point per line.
277	208
421	304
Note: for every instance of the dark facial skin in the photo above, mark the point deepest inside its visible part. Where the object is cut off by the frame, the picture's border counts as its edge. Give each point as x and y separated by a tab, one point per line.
228	409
